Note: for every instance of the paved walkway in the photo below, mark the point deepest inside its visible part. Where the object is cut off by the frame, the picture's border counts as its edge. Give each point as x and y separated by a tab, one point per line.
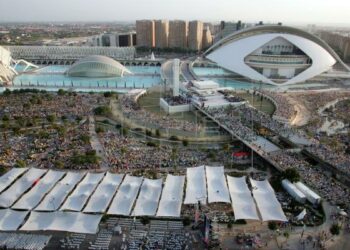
96	144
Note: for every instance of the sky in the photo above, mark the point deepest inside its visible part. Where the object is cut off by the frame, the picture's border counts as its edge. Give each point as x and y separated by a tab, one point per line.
286	11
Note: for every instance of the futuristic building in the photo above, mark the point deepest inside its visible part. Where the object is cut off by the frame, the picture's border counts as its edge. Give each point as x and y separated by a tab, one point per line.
6	72
97	66
274	54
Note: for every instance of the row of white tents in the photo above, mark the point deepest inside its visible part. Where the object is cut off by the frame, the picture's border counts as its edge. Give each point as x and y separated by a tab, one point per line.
83	197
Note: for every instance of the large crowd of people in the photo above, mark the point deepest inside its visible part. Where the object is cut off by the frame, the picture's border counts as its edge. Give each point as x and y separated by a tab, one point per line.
59	135
132	110
317	179
284	108
126	152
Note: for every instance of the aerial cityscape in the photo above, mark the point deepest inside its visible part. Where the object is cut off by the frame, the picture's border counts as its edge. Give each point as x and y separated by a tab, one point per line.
174	125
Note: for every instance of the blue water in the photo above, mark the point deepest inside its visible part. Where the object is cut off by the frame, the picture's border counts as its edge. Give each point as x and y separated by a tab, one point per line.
207	71
238	85
52	76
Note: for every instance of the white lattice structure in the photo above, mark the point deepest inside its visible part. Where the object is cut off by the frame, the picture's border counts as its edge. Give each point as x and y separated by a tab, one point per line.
31	53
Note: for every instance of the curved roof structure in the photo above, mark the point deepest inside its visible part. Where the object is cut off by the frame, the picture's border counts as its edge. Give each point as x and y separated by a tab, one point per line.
97	66
274	54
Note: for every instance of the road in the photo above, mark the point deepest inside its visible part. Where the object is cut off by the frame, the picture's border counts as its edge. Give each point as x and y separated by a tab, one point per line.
185	70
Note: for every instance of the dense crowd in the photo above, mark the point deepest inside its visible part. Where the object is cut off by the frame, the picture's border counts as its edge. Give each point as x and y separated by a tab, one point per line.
125	152
132	110
59	142
176	100
284	108
316	178
230	117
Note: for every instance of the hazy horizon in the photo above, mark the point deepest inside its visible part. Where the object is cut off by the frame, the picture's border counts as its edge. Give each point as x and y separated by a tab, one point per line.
297	12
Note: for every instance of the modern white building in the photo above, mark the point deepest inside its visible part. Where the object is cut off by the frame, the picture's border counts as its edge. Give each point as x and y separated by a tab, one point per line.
97	66
274	54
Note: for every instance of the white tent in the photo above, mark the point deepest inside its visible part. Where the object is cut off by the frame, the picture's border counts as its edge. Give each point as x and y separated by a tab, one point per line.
217	187
301	215
269	207
310	195
10	219
171	201
104	193
10	176
147	201
75	222
242	201
196	189
32	198
81	194
8	197
126	196
54	199
293	191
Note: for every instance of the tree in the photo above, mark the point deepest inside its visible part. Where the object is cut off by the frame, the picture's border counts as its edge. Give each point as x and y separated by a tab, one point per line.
185	142
335	229
291	174
186	221
272	225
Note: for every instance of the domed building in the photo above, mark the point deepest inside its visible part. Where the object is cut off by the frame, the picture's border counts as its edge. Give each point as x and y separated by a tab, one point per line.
274	54
97	66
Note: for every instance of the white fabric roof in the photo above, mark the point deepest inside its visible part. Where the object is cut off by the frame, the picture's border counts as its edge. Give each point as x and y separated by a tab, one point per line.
10	176
310	195
171	201
83	191
54	199
242	201
32	198
104	193
8	197
62	221
10	219
217	187
293	191
196	189
269	207
126	196
147	202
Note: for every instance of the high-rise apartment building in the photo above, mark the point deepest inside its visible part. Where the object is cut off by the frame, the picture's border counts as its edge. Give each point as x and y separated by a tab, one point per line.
207	38
145	33
195	35
161	33
178	34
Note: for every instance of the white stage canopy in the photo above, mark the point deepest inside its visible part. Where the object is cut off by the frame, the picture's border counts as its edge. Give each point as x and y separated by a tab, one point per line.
83	191
269	207
217	187
54	199
126	196
104	193
242	201
10	219
147	202
32	198
10	176
196	189
24	183
74	222
171	201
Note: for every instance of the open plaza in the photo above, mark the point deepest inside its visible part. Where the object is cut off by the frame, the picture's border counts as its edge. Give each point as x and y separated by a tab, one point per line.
244	146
